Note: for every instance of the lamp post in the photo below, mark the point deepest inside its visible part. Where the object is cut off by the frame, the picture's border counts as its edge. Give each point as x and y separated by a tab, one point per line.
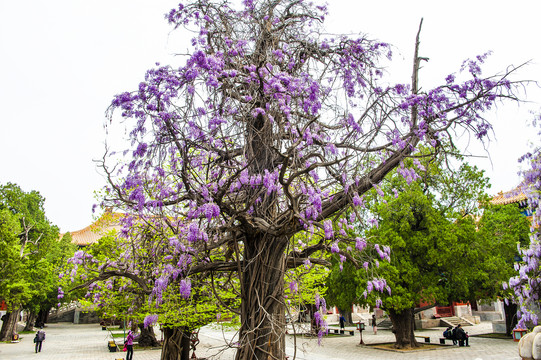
360	327
519	333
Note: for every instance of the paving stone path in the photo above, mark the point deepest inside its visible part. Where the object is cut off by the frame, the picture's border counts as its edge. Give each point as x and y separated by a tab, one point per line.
68	341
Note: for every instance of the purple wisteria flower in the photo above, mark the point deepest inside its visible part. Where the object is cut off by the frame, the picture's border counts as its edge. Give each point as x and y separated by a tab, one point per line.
527	283
185	288
327	226
293	287
360	244
150	320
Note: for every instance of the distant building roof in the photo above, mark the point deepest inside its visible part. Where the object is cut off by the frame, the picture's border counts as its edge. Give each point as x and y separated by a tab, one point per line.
95	231
509	197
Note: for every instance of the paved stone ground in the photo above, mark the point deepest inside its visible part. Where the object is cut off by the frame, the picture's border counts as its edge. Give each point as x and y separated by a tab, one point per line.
67	341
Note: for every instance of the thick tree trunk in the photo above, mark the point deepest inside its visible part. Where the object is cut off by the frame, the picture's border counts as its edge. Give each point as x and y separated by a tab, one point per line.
403	326
311	310
510	317
347	315
9	325
43	317
30	320
147	337
176	344
262	332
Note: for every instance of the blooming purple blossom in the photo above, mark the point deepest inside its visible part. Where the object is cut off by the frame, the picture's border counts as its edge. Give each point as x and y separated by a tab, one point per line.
293	287
360	244
526	283
357	201
369	286
150	320
327	225
185	288
379	191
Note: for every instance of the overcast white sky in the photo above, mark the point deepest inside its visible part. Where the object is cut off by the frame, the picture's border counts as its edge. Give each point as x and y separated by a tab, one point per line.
62	61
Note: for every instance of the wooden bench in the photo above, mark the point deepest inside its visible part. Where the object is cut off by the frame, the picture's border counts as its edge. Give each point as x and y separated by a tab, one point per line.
112	346
442	340
342	331
427	338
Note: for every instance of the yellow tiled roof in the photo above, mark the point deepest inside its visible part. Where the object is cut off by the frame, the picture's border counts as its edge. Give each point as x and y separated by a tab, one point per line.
93	232
509	197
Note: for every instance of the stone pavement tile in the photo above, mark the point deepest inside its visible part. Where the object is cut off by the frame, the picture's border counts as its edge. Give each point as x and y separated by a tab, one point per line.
346	347
481	348
68	341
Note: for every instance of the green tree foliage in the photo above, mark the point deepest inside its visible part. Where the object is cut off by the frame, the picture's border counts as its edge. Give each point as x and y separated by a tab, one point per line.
439	252
306	280
342	285
9	249
31	256
422	241
116	272
304	283
500	230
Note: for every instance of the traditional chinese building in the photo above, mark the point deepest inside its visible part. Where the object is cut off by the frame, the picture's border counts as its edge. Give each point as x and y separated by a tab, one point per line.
89	235
513	197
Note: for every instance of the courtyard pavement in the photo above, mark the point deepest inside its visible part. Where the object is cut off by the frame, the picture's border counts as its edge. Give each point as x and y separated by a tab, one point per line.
68	341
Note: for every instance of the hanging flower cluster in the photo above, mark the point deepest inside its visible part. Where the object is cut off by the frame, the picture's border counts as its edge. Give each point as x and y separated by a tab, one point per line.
526	285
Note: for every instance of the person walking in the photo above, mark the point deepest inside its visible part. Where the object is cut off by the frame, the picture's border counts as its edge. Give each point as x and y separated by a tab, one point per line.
129	346
40	337
342	321
374	324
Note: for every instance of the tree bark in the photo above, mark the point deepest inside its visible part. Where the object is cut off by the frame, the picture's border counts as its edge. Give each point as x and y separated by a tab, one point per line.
9	325
347	315
43	317
262	332
510	317
176	344
311	310
403	326
147	337
30	320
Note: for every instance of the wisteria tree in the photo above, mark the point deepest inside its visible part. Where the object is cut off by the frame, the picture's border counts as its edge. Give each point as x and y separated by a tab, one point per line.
116	298
271	128
119	270
527	284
